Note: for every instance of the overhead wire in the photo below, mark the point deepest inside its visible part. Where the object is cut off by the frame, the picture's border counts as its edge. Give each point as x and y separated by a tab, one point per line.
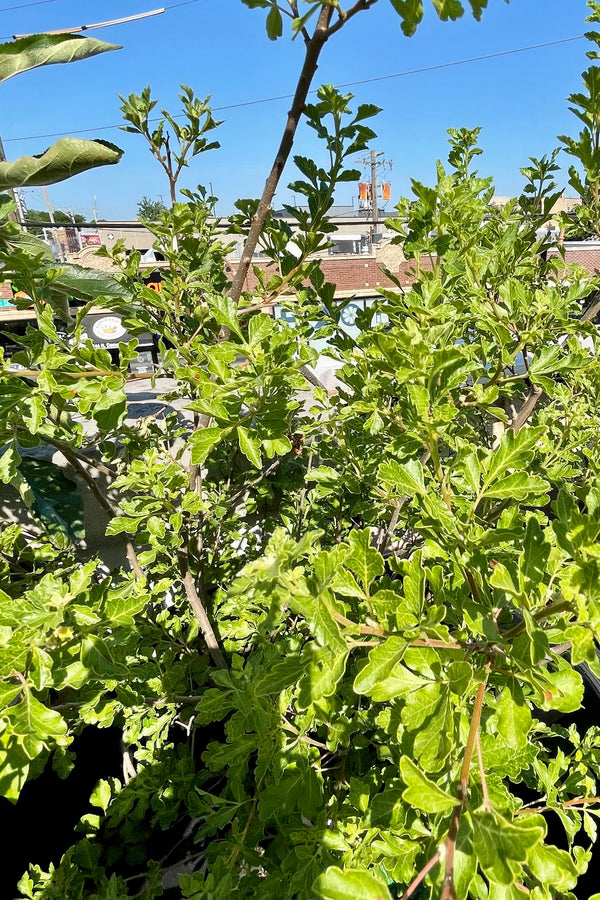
95	25
26	5
244	103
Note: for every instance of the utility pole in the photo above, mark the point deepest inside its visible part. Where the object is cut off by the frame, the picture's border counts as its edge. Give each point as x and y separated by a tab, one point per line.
49	205
374	207
370	198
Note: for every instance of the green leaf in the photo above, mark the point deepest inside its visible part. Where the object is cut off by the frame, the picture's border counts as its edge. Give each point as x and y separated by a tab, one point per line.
549	360
96	656
421	792
459	677
14	767
553	867
324	475
502	847
281	675
123	610
325	669
274	24
351	884
89	284
110	409
47	49
56	499
400	683
428	713
121	524
565	688
514	452
101	795
448	9
387	809
203	440
250	446
363	560
259	328
225	312
64	159
36	726
8	692
10	474
411	14
518	486
279	446
402	478
380	666
513	720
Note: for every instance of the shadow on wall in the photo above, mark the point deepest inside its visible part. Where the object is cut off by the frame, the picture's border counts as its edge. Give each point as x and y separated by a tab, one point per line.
95	542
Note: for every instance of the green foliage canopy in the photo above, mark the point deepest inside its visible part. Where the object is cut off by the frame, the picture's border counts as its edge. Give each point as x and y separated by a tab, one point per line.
347	627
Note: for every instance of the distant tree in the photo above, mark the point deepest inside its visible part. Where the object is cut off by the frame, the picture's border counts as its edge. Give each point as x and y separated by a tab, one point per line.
60	217
150	209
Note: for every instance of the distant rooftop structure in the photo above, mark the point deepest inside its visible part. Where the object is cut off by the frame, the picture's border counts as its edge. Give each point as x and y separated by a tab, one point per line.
341	212
563	204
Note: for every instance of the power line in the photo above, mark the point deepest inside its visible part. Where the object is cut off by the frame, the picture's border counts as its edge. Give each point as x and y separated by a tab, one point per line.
183	3
95	24
438	66
25	5
76	28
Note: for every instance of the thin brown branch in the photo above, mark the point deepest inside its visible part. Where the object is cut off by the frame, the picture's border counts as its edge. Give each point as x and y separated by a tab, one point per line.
106	505
243	491
264	304
527	407
578	801
345	16
536	393
384	544
303	737
309	68
86	373
448	892
593	309
419	878
539	616
89	461
200	613
486	797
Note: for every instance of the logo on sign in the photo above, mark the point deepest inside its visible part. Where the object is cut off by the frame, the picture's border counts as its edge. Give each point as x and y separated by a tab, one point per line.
108	328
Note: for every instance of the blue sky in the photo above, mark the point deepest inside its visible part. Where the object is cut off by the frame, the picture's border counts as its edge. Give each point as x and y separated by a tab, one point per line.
220	47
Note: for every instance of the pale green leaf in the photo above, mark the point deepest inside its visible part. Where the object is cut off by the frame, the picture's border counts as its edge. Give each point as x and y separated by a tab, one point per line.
123	610
363	560
502	847
554	868
514	452
351	884
250	446
518	486
203	440
47	49
64	159
513	720
380	665
37	726
421	792
405	479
